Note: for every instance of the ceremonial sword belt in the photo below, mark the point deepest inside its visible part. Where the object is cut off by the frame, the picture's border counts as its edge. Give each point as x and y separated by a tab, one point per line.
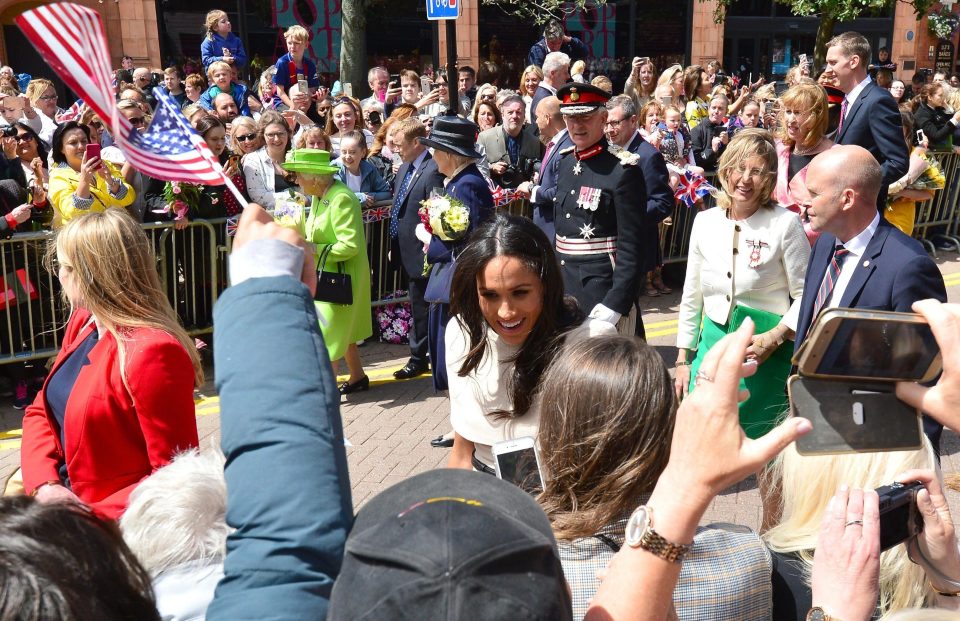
577	246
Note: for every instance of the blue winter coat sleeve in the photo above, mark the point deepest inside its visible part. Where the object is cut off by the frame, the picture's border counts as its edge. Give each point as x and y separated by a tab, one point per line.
211	50
475	194
373	183
288	491
209	53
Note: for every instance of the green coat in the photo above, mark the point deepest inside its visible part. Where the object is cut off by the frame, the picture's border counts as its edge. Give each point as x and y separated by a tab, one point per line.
335	220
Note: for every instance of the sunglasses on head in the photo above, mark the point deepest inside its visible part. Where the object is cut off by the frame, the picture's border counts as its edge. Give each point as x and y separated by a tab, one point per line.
246	138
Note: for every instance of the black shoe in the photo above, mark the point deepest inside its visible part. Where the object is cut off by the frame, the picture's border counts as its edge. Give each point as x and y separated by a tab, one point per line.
411	370
441	442
361	384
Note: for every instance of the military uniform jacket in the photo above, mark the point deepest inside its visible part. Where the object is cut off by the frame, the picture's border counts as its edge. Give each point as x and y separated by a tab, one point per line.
599	217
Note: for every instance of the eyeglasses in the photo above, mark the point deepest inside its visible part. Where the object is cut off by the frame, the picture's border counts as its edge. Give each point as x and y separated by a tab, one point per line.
24	137
48	97
246	138
276	136
614	123
137	121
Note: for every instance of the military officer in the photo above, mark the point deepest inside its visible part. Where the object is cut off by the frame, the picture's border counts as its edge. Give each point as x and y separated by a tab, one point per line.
599	214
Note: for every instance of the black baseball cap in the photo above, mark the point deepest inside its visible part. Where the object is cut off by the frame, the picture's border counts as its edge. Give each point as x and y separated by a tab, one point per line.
451	544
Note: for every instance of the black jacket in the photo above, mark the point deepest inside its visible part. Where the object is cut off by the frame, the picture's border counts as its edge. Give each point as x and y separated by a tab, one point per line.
425	179
935	123
701	138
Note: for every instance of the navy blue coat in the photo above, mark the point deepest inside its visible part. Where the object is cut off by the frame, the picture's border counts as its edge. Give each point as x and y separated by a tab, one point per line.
472	190
288	490
660	201
893	273
547	187
874	123
541	93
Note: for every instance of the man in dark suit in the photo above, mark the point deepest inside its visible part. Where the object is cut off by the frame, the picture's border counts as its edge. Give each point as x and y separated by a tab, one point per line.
622	131
869	117
860	259
709	138
556	73
416	178
543	189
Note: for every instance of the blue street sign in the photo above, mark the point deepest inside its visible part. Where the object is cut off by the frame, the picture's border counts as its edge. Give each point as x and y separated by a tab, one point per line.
443	9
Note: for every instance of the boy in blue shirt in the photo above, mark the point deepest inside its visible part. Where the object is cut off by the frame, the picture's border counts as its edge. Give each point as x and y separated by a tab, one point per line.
292	67
221	81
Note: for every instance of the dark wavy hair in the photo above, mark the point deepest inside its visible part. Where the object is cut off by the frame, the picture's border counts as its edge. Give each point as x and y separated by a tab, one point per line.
520	238
56	143
41	146
60	562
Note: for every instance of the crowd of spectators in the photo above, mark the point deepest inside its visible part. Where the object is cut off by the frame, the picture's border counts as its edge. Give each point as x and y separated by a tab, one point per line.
807	178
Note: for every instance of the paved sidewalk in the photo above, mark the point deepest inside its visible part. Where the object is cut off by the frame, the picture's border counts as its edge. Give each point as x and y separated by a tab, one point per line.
390	426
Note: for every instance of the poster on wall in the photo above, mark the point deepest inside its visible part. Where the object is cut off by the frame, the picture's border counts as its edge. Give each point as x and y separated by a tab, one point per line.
944	57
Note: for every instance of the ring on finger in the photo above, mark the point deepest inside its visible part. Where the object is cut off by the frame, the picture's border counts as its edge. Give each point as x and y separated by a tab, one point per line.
852	522
701	376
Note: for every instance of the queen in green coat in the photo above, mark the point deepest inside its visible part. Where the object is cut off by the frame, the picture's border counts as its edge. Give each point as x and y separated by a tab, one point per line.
335	222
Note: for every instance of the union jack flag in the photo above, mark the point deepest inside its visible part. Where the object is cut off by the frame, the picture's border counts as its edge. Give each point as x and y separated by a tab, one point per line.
71	38
375	214
503	196
692	188
71	113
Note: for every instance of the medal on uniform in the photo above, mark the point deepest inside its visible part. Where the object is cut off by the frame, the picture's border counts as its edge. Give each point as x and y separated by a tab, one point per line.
755	247
589	198
577	169
586	231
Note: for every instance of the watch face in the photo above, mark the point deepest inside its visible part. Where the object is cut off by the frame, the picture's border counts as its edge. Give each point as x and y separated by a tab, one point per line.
636	526
816	614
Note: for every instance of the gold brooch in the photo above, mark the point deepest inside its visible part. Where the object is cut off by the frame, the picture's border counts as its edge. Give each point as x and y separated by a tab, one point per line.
574	95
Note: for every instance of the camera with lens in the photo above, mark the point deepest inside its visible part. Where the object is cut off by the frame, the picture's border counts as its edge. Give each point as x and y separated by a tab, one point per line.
8	131
523	171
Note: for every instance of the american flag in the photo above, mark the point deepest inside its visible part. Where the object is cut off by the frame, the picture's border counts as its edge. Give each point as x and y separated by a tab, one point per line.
71	39
692	188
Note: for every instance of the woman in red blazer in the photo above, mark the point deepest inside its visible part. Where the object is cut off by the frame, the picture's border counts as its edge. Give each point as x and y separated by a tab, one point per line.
118	402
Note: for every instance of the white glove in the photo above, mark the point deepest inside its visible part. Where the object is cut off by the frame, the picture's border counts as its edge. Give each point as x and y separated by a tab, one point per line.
422	234
603	313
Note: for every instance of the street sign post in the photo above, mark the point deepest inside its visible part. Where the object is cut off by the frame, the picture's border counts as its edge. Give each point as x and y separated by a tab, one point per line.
448	10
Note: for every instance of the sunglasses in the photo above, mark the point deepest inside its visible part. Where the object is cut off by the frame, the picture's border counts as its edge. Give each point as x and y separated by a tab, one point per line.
24	137
247	138
137	121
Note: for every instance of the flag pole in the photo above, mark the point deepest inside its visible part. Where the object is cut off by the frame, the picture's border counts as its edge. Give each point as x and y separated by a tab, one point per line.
233	189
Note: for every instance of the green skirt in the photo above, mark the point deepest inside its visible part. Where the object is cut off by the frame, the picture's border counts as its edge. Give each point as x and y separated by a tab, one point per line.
767	405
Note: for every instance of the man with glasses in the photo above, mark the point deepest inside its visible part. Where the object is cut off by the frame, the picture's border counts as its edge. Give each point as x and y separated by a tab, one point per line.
514	152
600	231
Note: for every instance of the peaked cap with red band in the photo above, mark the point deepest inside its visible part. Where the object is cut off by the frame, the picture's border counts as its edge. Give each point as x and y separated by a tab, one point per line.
577	98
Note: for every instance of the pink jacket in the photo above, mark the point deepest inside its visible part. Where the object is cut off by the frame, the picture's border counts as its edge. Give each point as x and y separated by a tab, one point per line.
793	193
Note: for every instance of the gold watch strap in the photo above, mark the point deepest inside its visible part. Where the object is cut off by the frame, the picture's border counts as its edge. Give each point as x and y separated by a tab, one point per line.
652	541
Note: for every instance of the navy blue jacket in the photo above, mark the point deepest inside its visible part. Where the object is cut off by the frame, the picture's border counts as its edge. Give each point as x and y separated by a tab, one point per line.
547	187
422	183
472	190
660	201
576	50
541	93
874	123
893	273
288	490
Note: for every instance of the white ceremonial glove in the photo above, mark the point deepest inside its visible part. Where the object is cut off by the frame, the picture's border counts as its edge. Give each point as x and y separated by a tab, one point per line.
603	313
422	234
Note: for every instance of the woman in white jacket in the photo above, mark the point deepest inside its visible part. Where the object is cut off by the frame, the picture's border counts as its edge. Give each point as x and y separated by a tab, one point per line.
266	180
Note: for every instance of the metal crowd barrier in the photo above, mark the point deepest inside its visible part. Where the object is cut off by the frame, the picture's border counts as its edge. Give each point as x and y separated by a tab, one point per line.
937	218
675	237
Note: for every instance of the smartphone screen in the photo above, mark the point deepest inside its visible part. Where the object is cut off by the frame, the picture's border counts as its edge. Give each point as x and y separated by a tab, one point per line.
92	151
879	348
520	468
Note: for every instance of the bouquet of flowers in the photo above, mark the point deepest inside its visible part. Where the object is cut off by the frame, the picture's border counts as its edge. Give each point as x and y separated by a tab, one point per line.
180	197
445	217
291	211
932	178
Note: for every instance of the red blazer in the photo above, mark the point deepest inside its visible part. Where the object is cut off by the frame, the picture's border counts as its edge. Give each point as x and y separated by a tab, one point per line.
114	437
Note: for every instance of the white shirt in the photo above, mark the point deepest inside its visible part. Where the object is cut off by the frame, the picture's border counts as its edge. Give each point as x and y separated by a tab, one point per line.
759	262
856	246
851	97
417	163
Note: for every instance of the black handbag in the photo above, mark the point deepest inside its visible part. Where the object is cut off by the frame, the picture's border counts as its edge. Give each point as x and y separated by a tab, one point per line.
333	287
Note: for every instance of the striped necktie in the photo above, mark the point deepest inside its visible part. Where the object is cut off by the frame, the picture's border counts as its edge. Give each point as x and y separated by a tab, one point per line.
830	278
843	113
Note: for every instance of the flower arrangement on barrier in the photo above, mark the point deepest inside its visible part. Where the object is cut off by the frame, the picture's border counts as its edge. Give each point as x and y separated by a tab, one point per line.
943	23
179	198
395	320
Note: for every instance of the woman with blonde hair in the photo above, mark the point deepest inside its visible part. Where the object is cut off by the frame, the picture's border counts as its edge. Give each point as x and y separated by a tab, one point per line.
670	84
118	402
805	485
245	136
642	82
43	98
607	407
762	279
803	121
345	116
530	79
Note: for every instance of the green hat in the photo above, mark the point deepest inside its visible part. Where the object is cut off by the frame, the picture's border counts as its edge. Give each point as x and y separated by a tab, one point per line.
313	161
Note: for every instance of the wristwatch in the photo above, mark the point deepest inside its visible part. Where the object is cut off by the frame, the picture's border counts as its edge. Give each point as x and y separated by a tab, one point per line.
817	614
640	533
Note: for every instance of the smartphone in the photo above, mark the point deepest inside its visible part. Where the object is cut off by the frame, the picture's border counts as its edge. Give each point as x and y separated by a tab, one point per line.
666	100
920	136
303	87
803	59
870	345
233	160
517	461
780	88
900	517
395	79
348	89
425	84
92	150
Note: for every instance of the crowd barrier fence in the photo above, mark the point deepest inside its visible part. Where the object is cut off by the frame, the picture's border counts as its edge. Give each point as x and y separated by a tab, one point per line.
192	264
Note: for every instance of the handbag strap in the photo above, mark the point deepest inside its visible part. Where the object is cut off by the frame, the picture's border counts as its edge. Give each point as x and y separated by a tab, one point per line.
324	254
